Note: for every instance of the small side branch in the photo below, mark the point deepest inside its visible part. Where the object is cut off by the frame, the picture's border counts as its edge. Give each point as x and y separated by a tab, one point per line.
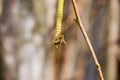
78	20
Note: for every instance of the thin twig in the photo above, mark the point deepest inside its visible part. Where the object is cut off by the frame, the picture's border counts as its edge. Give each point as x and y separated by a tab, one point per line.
78	20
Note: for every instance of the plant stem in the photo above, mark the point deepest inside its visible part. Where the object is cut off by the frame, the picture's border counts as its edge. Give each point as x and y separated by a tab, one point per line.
78	20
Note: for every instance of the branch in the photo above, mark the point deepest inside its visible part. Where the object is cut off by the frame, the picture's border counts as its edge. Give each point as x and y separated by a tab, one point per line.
78	20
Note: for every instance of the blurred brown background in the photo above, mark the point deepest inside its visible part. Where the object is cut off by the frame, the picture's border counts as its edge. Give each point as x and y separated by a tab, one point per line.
27	28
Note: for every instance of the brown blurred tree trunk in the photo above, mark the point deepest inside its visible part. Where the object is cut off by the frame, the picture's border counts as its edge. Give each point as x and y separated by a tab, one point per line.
97	20
113	35
2	64
0	7
8	31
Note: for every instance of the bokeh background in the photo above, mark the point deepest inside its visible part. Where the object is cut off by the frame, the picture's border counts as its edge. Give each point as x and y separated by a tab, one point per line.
27	28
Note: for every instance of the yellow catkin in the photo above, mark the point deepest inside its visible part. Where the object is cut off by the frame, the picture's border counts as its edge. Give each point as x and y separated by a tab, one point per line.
59	17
